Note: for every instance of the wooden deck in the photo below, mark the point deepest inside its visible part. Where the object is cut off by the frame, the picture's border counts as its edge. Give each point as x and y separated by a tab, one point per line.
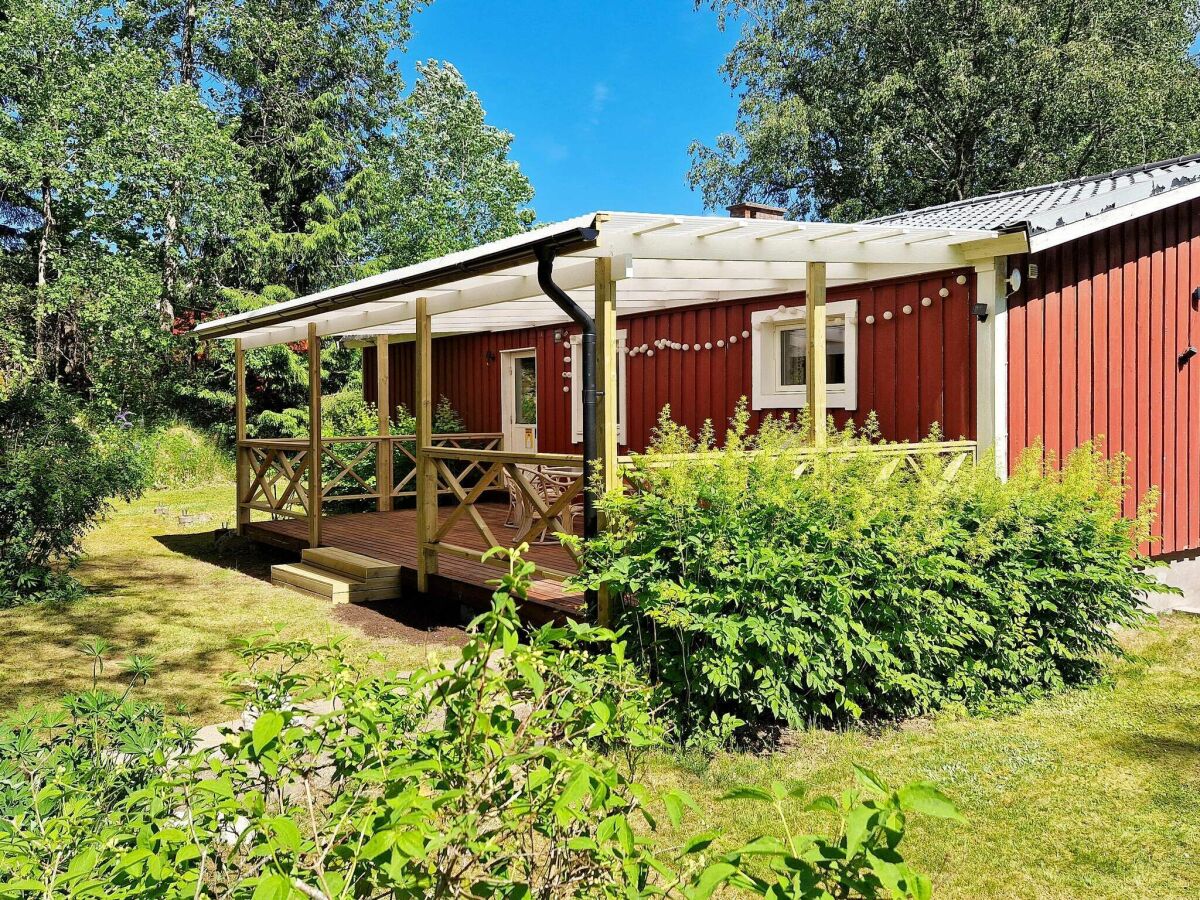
391	536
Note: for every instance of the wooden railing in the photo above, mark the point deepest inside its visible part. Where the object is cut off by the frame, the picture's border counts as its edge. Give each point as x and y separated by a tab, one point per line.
277	480
907	455
523	476
516	473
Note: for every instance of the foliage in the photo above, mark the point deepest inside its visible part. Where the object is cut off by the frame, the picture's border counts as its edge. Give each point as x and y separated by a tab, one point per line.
183	456
445	183
57	476
62	770
166	161
855	108
763	596
863	861
511	772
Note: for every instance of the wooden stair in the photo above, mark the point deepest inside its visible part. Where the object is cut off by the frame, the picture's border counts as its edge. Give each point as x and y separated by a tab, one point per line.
340	576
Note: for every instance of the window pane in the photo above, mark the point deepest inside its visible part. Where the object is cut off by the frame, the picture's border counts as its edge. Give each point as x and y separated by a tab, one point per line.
835	354
525	382
793	357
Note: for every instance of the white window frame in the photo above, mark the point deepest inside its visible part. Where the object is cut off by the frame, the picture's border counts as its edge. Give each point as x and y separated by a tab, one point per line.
577	388
766	326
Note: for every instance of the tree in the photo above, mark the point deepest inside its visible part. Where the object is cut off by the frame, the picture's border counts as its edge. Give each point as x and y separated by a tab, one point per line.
313	93
95	155
856	108
444	181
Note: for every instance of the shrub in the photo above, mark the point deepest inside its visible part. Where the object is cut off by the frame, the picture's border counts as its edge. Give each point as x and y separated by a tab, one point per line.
183	456
754	594
510	773
57	477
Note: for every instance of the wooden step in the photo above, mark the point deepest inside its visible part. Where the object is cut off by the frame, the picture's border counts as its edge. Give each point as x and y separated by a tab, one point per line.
351	565
338	588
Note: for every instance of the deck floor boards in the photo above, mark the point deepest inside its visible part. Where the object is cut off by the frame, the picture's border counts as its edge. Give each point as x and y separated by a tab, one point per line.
391	536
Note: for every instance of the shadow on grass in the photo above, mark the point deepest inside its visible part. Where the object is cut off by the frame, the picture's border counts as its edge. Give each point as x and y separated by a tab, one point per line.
394	619
227	550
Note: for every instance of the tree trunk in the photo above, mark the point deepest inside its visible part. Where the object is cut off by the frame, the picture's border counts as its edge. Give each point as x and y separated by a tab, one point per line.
187	76
42	351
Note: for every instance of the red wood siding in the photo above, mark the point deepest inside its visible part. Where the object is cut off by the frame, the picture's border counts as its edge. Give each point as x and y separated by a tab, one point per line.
1093	355
914	370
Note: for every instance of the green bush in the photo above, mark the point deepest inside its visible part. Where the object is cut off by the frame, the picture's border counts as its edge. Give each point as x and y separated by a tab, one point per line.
511	772
58	475
754	594
183	456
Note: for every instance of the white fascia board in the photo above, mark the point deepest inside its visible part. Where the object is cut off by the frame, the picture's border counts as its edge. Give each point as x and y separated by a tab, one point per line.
1110	217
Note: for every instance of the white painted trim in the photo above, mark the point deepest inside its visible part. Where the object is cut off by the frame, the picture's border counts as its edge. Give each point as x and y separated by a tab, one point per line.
765	326
991	362
577	388
507	395
1109	218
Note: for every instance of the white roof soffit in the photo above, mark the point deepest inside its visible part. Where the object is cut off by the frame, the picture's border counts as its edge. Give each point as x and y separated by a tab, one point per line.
660	262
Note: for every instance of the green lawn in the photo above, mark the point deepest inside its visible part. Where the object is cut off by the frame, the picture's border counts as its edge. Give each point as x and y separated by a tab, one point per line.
161	588
1092	794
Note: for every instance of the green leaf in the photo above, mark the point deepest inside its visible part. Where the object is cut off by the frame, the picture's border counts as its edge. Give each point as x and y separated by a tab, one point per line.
922	797
712	878
266	728
858	823
700	842
764	845
870	780
748	792
675	802
286	833
219	786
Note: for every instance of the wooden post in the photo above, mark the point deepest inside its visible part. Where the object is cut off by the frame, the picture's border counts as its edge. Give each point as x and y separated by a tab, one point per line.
383	450
607	367
315	451
243	468
814	326
427	500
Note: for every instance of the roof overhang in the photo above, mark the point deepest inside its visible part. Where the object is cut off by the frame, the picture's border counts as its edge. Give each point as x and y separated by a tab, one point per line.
1073	221
660	262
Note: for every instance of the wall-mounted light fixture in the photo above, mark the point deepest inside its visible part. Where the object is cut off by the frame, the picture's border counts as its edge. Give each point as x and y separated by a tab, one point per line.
980	311
490	356
1187	354
1014	281
1196	297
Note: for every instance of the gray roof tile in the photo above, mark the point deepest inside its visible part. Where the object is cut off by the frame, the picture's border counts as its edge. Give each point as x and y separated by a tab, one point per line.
1050	206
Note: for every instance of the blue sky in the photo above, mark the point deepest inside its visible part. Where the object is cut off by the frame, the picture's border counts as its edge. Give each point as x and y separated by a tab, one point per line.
603	97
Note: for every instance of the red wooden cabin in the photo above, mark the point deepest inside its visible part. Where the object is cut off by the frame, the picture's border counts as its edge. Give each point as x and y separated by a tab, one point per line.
1061	314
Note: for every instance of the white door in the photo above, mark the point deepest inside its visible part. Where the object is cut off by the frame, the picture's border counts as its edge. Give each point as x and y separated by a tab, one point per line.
518	400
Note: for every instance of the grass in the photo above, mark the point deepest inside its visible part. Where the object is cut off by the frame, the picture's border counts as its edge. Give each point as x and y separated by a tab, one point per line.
169	590
1092	794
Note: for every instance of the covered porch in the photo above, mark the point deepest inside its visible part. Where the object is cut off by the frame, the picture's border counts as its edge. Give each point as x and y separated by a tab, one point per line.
433	504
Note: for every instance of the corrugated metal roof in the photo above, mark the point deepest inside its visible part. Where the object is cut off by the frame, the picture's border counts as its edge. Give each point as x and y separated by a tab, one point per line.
1049	206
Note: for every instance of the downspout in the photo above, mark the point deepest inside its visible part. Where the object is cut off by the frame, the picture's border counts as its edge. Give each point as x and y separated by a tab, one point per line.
545	274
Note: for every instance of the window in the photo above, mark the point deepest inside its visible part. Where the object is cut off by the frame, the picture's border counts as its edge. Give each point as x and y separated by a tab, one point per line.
780	354
577	387
525	387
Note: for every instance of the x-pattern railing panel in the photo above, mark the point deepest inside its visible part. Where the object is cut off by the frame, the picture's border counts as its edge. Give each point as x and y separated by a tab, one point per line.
278	475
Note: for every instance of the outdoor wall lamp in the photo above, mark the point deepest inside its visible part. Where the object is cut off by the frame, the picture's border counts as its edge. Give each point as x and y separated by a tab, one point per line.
980	311
1187	354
